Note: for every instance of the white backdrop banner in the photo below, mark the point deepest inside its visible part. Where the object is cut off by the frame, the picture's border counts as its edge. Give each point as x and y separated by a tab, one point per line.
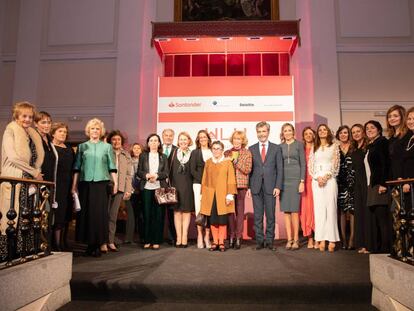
221	105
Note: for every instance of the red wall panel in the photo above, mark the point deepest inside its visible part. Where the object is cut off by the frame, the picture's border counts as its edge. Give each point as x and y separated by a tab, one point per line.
199	65
169	66
252	65
182	65
217	65
235	64
284	64
270	64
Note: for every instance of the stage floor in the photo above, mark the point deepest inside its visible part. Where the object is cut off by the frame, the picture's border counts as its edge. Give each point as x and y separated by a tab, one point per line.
173	278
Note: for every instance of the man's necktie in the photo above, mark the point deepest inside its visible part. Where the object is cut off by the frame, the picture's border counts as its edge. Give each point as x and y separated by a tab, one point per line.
263	153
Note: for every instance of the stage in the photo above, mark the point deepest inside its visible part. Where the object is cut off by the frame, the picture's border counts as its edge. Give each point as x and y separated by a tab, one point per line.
247	279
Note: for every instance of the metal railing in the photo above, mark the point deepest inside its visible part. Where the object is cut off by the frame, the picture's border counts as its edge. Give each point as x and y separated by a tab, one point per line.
403	220
32	224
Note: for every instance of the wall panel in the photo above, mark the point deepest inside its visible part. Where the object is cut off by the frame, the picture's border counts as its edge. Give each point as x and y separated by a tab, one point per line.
376	76
6	88
10	26
75	85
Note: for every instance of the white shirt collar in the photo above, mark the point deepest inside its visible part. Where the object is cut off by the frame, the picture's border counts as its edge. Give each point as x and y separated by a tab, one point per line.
266	143
215	161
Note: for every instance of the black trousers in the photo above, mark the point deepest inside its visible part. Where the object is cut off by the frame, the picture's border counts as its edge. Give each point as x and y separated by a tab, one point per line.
154	215
380	229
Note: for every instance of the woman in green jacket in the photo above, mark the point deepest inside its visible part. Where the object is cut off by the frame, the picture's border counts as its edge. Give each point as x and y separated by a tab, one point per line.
94	165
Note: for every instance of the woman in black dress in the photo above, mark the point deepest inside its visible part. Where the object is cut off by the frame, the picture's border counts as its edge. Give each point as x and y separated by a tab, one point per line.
396	130
408	155
182	180
63	211
43	124
361	214
377	170
346	183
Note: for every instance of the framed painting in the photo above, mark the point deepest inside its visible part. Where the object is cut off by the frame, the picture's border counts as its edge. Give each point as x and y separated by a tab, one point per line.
225	10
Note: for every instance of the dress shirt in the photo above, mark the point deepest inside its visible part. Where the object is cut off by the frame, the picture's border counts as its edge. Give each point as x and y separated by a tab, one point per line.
266	143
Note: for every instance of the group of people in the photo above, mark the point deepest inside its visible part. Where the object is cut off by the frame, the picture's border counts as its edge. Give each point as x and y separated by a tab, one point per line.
322	183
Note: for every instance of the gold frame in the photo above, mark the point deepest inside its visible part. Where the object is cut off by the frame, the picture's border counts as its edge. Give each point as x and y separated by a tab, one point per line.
178	10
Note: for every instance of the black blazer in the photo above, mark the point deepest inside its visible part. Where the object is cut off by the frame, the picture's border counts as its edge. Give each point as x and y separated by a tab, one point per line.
197	165
143	169
407	162
172	152
378	159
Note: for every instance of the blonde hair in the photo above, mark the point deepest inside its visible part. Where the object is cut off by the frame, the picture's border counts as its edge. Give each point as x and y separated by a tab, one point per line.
242	135
92	122
282	138
190	143
20	106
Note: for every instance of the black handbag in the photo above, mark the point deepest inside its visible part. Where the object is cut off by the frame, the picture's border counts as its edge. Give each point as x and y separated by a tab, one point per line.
374	198
201	220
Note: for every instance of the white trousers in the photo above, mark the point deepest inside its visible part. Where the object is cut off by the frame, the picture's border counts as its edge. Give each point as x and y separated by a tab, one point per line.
325	209
197	197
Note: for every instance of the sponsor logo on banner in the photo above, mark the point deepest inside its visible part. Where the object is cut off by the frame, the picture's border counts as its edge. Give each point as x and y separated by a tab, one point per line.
184	104
222	105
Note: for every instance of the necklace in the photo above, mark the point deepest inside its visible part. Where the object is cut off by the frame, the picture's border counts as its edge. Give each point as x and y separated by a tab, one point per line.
410	145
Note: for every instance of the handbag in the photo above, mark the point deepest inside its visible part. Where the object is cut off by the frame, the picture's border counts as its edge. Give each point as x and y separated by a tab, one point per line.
374	198
166	195
201	220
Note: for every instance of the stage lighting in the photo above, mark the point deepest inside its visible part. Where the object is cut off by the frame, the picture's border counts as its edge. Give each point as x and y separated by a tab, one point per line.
254	38
191	39
287	38
224	38
162	39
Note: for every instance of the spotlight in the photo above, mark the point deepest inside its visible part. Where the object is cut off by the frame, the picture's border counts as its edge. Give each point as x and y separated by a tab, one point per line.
254	38
224	38
191	39
162	39
287	38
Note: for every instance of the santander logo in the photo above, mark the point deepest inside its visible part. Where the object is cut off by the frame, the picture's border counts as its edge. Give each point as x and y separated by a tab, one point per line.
183	104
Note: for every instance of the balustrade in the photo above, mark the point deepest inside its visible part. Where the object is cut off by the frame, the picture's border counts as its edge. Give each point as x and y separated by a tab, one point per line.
403	220
30	227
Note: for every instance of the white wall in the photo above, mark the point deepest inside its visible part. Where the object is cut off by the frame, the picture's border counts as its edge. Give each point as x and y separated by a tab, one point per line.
81	59
84	58
375	46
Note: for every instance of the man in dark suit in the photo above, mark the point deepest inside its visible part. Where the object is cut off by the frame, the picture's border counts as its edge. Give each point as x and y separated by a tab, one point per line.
169	149
265	184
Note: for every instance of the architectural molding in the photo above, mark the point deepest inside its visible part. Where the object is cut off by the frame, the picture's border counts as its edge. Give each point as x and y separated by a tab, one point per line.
78	55
66	55
375	48
376	106
72	113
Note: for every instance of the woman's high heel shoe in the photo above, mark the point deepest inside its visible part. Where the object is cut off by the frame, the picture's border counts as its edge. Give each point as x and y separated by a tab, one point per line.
200	243
207	242
295	245
322	246
289	244
331	247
